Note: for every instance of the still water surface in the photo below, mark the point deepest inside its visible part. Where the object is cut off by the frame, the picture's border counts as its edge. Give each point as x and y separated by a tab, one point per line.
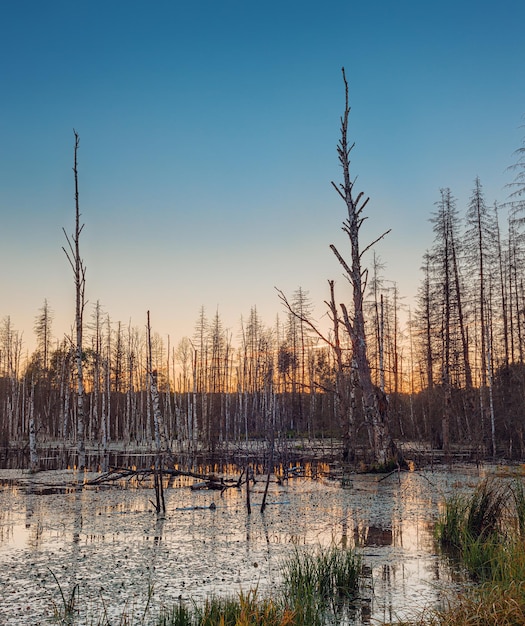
109	542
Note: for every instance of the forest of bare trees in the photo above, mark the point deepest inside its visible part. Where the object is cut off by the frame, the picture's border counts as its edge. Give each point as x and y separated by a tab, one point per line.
448	371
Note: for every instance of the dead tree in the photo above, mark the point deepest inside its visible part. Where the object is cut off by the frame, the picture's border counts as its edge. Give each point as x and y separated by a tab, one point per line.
374	402
354	373
33	452
79	275
159	429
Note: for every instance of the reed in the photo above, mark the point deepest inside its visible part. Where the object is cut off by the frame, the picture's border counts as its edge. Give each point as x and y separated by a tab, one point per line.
179	615
486	530
518	495
476	527
245	610
322	585
451	523
332	572
485	509
487	605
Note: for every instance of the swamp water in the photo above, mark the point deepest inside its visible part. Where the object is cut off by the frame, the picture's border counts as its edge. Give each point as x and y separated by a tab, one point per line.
106	547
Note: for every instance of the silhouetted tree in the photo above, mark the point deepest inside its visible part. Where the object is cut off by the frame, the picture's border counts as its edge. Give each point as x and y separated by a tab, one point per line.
374	401
79	276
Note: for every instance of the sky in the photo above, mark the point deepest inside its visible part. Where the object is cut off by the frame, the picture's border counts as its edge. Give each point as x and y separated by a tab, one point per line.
208	134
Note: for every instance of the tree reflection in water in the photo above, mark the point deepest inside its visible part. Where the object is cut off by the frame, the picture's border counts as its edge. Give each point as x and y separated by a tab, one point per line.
110	542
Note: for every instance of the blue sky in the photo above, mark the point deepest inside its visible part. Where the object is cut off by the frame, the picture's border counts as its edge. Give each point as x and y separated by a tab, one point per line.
208	135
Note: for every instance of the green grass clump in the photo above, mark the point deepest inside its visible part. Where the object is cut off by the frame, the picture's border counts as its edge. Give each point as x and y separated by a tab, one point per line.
179	615
476	527
321	582
486	532
450	527
329	573
485	509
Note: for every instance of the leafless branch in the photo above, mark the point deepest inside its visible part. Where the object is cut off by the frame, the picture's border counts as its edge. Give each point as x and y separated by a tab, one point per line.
302	318
341	260
348	324
374	242
336	187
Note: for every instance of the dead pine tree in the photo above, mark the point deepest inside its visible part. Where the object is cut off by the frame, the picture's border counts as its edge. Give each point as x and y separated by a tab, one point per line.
353	379
375	405
270	409
161	446
79	275
33	452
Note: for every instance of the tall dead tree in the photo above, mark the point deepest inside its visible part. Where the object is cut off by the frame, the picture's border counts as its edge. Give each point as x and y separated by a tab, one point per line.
159	429
357	377
79	276
375	404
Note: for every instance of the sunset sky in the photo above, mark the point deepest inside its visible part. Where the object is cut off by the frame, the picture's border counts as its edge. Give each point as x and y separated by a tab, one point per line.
208	133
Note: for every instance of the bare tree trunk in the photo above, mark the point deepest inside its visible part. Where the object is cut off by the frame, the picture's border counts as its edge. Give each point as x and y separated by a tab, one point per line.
461	317
503	287
374	401
33	453
344	407
64	395
158	422
79	274
426	300
491	394
159	428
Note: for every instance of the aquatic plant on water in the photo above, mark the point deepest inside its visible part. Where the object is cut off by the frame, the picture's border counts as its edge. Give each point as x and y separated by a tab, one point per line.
317	585
64	612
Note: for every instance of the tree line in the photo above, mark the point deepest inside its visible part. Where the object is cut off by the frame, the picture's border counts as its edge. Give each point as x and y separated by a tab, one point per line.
449	371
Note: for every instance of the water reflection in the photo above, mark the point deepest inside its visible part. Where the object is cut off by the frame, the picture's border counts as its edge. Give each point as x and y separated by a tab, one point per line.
112	534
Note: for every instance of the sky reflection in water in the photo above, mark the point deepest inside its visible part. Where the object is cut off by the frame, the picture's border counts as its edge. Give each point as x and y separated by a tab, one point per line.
110	542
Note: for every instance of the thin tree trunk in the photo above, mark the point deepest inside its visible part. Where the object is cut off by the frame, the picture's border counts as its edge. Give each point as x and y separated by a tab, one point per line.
159	429
79	273
33	452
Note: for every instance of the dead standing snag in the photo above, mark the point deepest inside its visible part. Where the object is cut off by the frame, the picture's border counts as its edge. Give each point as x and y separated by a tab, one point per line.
354	373
79	275
375	410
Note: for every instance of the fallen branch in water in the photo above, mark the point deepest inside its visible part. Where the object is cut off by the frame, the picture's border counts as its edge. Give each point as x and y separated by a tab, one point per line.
209	481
